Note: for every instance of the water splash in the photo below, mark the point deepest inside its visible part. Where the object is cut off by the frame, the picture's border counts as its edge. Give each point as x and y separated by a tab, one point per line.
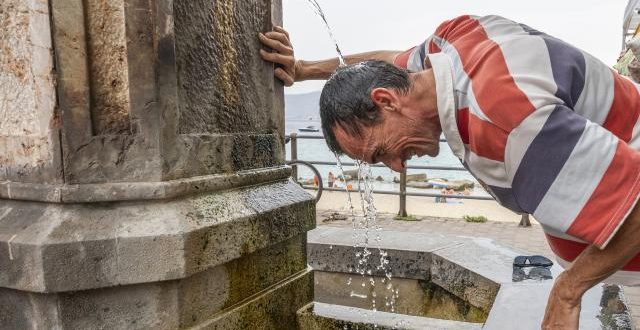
318	10
363	227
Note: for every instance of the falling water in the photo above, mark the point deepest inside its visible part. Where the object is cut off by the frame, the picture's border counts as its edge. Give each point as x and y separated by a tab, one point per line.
318	10
367	222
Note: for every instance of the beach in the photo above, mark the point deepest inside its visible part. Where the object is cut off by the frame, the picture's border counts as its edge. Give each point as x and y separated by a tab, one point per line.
421	206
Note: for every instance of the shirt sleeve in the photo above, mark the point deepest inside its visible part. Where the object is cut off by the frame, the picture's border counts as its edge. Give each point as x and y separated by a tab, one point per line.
413	58
573	175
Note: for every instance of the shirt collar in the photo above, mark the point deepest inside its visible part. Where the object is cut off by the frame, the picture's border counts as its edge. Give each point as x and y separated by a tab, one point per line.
443	73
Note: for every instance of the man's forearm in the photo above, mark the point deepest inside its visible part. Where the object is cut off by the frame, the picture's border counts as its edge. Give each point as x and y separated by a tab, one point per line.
321	70
594	265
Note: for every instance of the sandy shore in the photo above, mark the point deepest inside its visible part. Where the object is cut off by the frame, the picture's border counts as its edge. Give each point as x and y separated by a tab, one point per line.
422	206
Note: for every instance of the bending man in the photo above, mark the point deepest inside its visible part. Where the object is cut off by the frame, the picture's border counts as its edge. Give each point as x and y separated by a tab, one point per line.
547	129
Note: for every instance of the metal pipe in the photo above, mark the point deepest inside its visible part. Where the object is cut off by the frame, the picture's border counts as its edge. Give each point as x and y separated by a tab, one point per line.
403	194
524	221
294	155
412	167
419	194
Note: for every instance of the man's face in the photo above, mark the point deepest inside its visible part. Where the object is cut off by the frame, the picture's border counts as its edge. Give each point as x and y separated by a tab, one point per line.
399	136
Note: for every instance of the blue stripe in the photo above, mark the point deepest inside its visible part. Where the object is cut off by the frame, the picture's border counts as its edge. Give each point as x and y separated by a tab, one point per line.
506	198
422	52
567	64
546	156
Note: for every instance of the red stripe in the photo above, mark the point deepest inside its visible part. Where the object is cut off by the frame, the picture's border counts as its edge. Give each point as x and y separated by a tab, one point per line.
433	47
463	124
612	199
402	59
625	108
569	250
455	28
486	139
493	86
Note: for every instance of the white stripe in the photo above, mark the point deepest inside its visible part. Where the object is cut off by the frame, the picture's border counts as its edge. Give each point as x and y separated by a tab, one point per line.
579	177
441	64
562	235
526	57
635	135
414	63
596	98
521	137
487	170
462	81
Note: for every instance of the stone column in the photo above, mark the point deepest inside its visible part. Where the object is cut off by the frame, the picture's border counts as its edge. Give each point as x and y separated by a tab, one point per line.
142	176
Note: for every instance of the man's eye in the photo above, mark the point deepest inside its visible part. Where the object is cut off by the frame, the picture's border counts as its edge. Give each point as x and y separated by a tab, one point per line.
375	157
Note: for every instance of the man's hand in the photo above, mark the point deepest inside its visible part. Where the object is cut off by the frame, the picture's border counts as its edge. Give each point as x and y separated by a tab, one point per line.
290	70
278	41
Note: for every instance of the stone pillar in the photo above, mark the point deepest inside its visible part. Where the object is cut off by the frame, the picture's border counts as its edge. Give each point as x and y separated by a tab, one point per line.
142	176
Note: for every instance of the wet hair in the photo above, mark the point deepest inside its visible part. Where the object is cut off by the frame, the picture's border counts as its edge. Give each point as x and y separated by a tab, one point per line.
346	97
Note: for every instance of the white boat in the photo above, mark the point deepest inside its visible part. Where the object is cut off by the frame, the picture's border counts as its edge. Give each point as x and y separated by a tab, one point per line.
309	129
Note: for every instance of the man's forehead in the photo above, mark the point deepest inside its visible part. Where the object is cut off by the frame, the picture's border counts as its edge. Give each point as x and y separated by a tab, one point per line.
351	144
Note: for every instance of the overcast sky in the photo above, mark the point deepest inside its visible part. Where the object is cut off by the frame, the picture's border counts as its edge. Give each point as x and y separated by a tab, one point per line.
363	25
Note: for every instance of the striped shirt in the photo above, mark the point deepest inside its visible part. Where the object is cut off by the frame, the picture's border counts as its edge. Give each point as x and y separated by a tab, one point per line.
546	128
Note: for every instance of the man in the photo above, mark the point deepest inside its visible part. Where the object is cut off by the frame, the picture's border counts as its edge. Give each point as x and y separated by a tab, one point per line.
546	128
331	179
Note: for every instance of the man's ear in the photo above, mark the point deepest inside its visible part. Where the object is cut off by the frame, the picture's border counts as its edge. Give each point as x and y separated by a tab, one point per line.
384	98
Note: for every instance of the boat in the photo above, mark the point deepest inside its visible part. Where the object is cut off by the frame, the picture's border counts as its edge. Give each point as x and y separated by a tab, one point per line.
309	129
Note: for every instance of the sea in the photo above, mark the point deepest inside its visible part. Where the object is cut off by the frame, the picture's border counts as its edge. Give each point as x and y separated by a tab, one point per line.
317	150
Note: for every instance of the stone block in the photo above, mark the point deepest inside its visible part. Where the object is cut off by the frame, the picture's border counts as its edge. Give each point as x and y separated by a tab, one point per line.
416	177
271	283
106	244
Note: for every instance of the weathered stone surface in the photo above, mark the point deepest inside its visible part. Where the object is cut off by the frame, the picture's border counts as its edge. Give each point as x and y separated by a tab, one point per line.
120	243
415	297
274	280
107	48
479	271
331	249
156	197
223	88
28	119
320	316
416	177
274	309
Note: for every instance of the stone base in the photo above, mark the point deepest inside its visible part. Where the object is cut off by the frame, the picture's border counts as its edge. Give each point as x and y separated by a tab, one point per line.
212	261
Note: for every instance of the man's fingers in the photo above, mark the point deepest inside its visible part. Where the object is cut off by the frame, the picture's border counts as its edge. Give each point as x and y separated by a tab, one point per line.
282	30
276	45
279	36
287	61
284	76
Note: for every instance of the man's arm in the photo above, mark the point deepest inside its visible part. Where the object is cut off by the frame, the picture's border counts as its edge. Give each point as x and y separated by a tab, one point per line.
293	70
590	268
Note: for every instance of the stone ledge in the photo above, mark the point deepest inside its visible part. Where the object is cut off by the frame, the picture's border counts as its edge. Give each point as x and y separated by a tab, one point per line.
478	270
68	247
320	316
138	191
274	308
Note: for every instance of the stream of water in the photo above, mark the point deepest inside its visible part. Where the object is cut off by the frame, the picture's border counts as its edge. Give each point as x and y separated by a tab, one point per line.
318	10
365	225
